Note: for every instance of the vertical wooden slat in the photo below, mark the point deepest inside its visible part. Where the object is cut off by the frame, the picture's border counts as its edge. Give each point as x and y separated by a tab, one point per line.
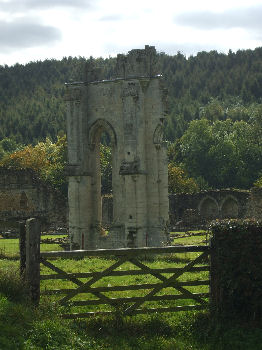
32	271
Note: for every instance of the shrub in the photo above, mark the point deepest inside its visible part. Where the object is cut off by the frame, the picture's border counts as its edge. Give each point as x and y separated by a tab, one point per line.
236	268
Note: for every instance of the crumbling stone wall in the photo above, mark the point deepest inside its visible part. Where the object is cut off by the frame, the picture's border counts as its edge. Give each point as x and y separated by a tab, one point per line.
194	210
24	195
255	203
130	108
208	205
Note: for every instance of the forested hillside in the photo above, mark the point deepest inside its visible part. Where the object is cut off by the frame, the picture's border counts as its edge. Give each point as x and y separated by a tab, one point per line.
31	104
215	106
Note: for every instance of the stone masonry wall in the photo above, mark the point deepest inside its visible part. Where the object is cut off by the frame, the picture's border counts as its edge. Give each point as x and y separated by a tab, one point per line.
24	195
200	208
255	203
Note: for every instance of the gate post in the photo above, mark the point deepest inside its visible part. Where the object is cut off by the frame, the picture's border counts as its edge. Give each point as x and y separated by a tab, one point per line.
216	293
32	271
22	247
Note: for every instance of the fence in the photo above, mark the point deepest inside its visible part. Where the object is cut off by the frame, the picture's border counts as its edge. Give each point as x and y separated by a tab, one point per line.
158	286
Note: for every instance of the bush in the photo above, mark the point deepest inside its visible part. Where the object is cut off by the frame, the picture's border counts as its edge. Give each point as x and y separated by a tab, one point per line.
236	269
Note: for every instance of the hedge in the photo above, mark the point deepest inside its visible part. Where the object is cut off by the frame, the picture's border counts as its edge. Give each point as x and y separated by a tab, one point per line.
236	268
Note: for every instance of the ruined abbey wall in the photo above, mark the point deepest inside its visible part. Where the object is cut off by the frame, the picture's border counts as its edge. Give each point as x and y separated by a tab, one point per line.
200	208
194	210
130	108
24	195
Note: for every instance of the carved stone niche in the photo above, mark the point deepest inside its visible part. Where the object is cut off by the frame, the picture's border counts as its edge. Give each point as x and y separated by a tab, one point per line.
129	168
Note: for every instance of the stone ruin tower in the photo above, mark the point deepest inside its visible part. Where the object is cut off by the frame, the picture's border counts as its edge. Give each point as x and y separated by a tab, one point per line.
130	109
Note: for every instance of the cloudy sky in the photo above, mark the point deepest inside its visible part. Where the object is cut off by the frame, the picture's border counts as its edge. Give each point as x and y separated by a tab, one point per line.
33	30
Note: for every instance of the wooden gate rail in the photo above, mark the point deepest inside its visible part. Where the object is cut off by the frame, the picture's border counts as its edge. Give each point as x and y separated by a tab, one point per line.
132	255
118	273
125	251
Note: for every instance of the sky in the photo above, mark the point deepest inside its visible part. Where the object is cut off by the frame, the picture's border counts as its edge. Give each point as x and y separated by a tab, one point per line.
32	30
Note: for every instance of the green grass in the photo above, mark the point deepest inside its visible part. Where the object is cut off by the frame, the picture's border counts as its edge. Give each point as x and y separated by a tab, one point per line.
10	247
27	328
197	238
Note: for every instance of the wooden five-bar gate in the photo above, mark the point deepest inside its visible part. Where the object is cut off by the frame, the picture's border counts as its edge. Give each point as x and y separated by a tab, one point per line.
159	285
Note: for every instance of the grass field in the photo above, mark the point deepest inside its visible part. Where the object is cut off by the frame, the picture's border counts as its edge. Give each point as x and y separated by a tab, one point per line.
10	247
24	327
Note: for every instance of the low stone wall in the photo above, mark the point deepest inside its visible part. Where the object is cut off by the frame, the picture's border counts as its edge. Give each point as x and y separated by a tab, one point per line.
24	195
200	208
197	210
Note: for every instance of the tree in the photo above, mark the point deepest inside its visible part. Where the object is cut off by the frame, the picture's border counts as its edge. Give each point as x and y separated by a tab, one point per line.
224	153
47	159
179	182
106	169
258	182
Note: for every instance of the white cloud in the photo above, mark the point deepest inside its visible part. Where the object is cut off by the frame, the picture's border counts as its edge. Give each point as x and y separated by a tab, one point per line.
14	6
102	27
24	33
246	18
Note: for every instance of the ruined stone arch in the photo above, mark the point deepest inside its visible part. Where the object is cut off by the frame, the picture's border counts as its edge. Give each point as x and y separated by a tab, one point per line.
208	208
130	108
93	157
97	128
229	207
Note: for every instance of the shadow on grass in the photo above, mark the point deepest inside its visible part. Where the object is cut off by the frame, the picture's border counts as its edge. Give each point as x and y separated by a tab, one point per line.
184	331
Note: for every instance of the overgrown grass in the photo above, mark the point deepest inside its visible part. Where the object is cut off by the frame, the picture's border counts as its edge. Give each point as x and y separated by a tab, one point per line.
27	328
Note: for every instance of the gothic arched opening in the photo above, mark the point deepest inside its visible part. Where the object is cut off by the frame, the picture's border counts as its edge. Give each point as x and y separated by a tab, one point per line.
229	208
208	208
103	145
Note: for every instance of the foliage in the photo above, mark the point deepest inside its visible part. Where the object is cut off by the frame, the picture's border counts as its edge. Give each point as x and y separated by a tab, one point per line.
106	169
206	80
258	183
48	159
8	145
224	153
32	107
237	268
12	286
179	182
219	88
